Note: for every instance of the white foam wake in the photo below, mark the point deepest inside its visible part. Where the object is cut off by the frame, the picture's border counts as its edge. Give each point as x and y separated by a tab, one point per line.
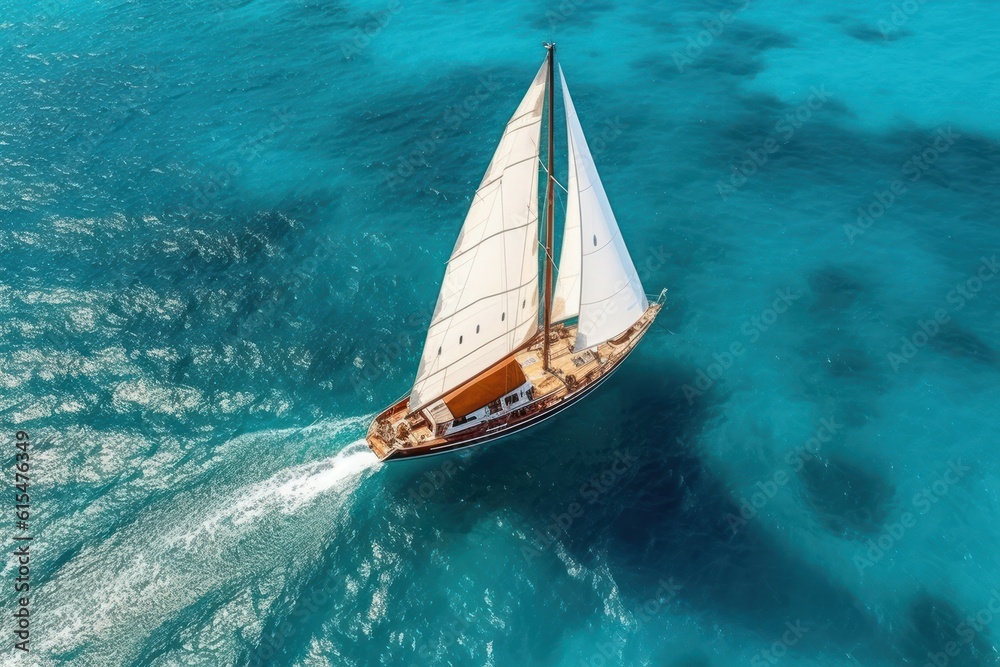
257	534
285	493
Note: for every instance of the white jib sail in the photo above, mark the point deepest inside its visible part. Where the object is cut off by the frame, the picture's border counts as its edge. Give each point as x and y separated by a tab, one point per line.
566	299
488	304
611	295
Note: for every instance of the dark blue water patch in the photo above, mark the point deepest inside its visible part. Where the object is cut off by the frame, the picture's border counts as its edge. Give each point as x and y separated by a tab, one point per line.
950	157
91	97
538	476
492	479
658	66
211	250
737	51
873	35
731	62
562	16
672	317
734	48
979	169
952	341
429	132
834	362
850	362
836	288
745	124
848	498
841	372
316	11
668	518
947	156
662	24
839	297
65	555
961	343
679	308
759	38
866	32
824	143
932	623
968	167
856	411
765	139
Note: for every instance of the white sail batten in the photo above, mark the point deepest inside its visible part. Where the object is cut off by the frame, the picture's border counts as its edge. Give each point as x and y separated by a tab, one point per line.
566	298
611	296
488	304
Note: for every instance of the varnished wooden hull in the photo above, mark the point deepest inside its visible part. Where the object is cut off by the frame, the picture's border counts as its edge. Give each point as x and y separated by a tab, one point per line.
558	390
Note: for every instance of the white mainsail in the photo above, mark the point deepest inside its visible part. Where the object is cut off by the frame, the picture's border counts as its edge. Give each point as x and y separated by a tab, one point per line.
611	298
488	304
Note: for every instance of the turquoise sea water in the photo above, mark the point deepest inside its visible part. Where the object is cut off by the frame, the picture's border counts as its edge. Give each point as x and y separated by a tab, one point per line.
224	224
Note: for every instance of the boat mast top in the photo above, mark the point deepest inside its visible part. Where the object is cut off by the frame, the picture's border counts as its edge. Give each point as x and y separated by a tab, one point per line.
549	207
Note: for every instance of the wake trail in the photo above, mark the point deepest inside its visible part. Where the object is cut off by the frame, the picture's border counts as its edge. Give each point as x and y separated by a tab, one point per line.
215	543
290	490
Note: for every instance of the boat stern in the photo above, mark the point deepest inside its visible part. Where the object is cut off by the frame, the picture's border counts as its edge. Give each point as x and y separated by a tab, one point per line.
396	430
379	447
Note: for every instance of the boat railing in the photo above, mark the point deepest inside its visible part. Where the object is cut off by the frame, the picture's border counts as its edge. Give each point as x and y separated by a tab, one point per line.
659	298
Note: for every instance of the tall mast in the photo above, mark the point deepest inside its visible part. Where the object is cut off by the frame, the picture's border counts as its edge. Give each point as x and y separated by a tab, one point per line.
549	208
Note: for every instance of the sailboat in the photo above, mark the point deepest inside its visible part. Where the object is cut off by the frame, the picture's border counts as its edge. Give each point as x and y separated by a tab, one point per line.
487	369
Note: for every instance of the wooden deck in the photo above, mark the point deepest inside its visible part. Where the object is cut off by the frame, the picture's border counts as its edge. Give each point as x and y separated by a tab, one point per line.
395	434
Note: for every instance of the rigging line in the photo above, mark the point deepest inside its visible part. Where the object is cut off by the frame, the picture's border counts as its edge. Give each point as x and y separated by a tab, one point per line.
545	252
554	179
664	326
